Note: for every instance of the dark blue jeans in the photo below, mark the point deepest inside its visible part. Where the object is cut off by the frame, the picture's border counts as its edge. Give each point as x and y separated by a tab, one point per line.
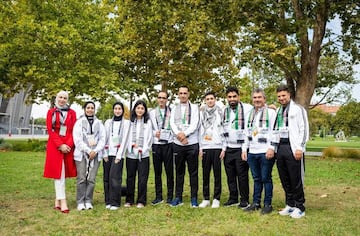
261	169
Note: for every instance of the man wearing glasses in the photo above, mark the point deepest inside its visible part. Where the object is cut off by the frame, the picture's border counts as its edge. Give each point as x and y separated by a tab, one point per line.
184	123
162	150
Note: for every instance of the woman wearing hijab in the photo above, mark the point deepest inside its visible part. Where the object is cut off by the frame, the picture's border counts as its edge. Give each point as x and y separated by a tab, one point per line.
137	145
113	167
59	163
89	139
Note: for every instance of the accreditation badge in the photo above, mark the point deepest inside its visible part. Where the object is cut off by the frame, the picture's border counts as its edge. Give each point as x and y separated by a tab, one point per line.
91	140
275	137
115	140
240	134
164	135
263	134
284	132
62	131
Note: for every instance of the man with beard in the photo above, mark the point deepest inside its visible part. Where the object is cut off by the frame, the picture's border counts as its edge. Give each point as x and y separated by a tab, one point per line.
293	132
234	121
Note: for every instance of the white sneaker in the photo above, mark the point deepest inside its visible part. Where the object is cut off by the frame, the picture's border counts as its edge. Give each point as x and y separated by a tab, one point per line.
81	206
140	205
108	206
287	210
297	213
127	204
88	206
113	208
215	203
204	203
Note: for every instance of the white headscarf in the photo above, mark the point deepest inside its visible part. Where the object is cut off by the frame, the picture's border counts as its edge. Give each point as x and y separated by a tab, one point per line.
61	93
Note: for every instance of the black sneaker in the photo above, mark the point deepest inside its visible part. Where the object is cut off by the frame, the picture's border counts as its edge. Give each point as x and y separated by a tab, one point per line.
267	209
169	200
253	207
157	201
243	205
230	203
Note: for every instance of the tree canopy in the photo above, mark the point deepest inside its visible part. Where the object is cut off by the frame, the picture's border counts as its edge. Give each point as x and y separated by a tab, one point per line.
102	48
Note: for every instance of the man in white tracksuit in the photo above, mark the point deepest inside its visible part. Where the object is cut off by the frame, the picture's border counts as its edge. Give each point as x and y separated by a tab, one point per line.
291	133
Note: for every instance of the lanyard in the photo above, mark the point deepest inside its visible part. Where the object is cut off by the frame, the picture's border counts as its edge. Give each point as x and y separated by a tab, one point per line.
236	116
264	116
163	118
283	114
112	128
188	116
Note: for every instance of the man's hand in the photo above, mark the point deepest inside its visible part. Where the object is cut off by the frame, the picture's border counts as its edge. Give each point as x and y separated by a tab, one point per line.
222	155
298	154
181	136
269	154
157	134
244	156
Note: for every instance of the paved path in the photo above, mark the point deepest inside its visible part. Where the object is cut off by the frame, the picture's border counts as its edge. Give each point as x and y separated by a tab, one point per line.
314	154
17	136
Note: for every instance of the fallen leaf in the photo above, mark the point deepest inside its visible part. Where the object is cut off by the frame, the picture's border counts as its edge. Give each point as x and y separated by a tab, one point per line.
324	195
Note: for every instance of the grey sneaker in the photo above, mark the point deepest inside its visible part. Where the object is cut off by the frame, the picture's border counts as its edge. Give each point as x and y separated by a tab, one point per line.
243	205
267	209
253	207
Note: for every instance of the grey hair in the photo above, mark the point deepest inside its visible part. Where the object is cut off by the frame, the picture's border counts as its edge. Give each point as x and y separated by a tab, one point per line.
258	90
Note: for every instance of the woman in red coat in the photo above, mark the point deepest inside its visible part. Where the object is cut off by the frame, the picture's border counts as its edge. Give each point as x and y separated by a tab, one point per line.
59	163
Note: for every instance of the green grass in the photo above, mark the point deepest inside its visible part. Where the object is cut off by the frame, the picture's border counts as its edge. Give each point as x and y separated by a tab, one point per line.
317	144
332	188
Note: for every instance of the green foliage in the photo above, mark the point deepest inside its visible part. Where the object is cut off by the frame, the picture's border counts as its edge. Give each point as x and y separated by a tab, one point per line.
319	121
40	121
105	110
30	145
5	146
347	119
95	49
292	40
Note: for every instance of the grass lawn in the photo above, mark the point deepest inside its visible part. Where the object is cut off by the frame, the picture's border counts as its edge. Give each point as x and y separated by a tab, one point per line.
317	144
332	188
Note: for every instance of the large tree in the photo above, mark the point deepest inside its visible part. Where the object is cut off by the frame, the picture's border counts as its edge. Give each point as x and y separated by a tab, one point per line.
291	37
347	119
173	43
47	46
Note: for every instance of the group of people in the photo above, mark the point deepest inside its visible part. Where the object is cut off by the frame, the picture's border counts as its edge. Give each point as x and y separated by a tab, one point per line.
241	136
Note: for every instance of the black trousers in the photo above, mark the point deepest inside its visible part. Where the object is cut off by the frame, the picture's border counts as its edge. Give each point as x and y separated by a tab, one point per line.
237	172
141	168
211	160
186	155
112	181
163	154
291	172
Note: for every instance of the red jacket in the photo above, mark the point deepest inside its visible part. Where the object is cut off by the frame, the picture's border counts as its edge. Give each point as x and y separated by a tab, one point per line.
53	162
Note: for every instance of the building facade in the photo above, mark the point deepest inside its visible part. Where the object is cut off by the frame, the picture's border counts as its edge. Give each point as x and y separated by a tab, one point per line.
15	115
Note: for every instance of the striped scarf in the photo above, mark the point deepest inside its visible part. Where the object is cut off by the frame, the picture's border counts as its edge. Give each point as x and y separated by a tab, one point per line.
264	118
163	120
209	116
137	141
63	111
180	119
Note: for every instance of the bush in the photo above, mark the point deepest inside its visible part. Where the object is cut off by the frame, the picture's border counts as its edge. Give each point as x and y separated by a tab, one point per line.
30	145
4	146
351	153
340	153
